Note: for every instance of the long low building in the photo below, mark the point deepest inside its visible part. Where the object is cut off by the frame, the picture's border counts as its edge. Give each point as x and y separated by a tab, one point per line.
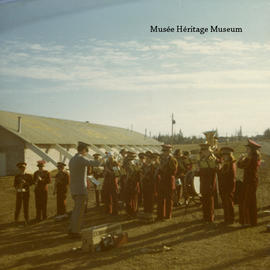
30	138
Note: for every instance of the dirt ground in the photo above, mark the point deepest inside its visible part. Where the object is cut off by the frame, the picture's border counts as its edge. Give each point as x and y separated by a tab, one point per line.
192	245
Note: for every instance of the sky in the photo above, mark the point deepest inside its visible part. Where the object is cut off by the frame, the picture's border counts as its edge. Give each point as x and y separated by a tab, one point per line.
97	61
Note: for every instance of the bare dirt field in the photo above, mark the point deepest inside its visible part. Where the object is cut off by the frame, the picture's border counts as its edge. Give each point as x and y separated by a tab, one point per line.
193	245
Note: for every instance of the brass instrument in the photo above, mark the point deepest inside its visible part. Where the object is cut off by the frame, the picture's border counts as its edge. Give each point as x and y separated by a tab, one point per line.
211	139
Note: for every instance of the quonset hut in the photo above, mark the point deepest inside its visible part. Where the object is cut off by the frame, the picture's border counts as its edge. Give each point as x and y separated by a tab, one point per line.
30	138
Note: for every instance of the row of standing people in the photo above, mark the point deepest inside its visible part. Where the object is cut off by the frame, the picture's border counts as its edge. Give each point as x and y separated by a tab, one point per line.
40	179
223	164
153	179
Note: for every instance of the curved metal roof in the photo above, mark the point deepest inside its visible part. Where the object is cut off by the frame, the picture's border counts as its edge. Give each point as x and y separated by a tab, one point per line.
44	130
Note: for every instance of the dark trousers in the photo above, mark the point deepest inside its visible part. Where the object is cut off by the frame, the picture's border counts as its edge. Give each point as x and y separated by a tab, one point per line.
227	204
22	198
61	203
248	205
111	202
148	201
41	198
97	194
132	204
208	207
165	204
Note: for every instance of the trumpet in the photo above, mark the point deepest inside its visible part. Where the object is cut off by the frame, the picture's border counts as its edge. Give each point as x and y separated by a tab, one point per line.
242	157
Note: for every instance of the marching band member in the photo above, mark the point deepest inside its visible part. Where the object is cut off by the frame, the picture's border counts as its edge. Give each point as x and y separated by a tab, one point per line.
226	182
132	188
123	174
97	173
207	171
148	183
110	186
187	164
22	182
41	179
180	175
140	164
248	202
166	183
60	188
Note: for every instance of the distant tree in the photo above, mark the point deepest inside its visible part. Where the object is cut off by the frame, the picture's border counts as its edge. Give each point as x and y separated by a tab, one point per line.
266	133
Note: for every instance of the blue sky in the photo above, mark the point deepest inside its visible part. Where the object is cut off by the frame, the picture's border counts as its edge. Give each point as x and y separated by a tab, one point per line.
98	61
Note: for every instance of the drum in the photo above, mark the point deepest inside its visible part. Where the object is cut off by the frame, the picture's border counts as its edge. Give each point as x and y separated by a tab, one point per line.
192	183
192	189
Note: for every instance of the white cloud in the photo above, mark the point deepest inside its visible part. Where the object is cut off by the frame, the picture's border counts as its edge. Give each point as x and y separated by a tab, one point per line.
142	66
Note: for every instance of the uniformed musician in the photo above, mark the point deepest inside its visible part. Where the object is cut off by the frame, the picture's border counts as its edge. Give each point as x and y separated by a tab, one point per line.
41	180
22	182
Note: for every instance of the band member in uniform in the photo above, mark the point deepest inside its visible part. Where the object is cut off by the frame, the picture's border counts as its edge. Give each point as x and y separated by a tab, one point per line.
132	188
180	175
123	175
97	173
140	164
156	163
22	182
41	179
148	183
60	188
248	201
110	186
187	164
166	183
226	182
207	171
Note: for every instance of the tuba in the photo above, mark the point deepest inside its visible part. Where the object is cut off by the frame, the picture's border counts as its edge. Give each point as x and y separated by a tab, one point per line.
211	139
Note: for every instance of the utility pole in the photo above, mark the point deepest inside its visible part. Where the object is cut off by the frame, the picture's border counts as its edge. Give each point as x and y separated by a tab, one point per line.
173	122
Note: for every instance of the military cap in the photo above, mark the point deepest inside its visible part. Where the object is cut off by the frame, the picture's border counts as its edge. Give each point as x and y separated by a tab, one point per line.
96	155
82	145
131	155
226	150
253	144
186	153
166	147
141	155
21	164
61	164
41	163
123	150
177	152
204	146
148	154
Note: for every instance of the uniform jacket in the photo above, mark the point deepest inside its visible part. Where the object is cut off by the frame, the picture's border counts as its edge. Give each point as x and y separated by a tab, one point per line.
41	180
250	166
167	172
148	177
23	181
207	172
62	182
227	178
